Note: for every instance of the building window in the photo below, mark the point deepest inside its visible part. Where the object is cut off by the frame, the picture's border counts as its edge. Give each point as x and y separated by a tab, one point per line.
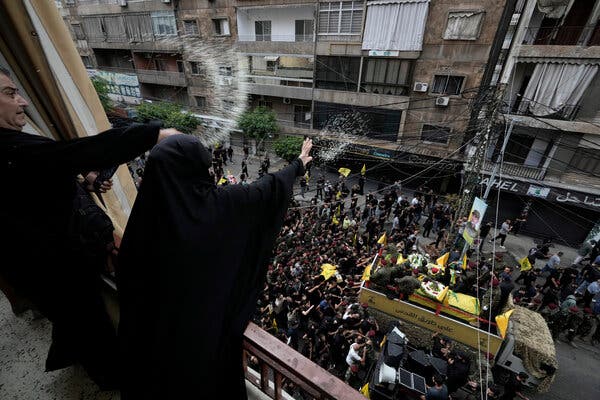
340	17
377	123
337	73
87	61
221	26
302	116
195	68
265	103
228	104
262	30
78	31
463	25
386	76
585	160
180	66
190	27
225	71
304	30
517	148
163	23
271	65
200	101
161	65
435	134
447	84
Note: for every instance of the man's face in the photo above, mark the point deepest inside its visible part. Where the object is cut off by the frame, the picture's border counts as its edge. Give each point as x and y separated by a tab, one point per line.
12	105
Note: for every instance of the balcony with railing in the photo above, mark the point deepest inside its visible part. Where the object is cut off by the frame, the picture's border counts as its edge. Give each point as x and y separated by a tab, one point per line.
281	30
161	77
270	363
562	41
567	112
516	170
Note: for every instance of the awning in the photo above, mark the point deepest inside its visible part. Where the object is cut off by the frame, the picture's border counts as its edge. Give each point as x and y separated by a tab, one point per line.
395	25
271	58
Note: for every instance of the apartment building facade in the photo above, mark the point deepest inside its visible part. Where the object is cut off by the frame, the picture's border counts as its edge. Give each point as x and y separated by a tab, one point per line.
404	70
550	81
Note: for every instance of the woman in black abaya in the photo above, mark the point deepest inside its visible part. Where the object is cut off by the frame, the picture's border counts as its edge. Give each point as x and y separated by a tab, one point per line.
192	262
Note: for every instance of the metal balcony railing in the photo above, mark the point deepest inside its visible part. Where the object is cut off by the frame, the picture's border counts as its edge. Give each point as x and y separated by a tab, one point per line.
270	364
568	112
274	38
516	170
161	77
563	35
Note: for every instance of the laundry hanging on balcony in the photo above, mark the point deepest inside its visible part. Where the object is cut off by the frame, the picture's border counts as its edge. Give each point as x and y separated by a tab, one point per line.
556	88
395	25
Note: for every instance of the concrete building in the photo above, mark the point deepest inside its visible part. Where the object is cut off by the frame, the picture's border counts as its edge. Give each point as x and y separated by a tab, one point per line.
406	70
550	84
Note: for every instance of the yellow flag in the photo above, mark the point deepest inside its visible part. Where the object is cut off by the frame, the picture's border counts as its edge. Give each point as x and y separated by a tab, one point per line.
502	322
334	220
328	270
354	240
338	210
363	170
400	259
306	177
365	390
464	263
443	259
525	264
366	273
338	195
222	181
383	239
344	171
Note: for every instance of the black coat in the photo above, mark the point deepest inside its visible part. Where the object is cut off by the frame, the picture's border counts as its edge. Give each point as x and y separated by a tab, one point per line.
38	176
192	263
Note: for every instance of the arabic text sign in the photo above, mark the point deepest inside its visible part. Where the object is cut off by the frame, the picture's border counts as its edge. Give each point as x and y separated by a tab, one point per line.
559	195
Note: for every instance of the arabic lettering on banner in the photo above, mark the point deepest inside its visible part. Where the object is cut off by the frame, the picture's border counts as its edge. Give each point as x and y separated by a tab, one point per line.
579	199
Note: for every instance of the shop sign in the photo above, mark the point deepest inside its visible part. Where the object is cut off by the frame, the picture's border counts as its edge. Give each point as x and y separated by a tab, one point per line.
557	195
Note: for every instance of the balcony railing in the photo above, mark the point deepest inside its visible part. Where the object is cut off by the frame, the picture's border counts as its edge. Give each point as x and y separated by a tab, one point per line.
563	35
568	112
161	77
269	363
516	170
275	38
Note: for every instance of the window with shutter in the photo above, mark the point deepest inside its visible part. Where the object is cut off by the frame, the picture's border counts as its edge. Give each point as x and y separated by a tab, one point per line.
340	17
435	134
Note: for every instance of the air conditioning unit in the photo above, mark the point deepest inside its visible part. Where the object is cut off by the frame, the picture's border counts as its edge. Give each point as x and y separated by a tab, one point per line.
166	1
287	100
420	87
123	3
442	101
226	80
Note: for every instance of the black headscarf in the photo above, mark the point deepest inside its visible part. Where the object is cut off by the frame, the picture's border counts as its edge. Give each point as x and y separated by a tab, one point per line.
192	263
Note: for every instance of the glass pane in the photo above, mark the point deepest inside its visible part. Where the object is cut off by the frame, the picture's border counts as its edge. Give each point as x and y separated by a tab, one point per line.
439	84
454	84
